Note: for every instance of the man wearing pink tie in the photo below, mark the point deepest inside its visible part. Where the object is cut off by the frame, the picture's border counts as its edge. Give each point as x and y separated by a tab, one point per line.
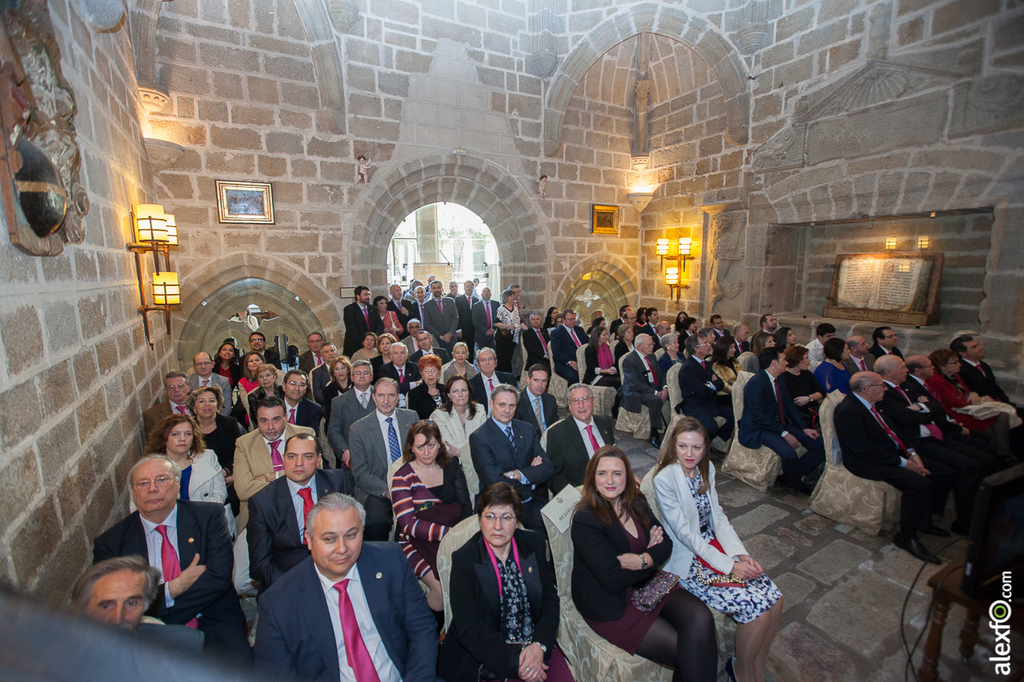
860	359
489	378
573	441
312	358
536	342
175	390
189	543
352	611
299	409
564	342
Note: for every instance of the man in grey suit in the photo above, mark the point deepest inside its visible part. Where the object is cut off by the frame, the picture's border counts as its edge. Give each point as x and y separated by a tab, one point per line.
485	312
860	359
202	363
321	376
413	328
375	444
348	408
643	384
442	317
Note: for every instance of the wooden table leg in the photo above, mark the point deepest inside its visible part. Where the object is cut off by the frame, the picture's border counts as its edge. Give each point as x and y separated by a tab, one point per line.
929	670
969	634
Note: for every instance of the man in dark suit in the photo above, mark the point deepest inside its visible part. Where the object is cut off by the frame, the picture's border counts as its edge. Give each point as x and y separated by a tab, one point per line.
372	623
916	430
974	371
359	318
375	444
484	383
348	408
202	363
740	335
312	358
564	342
485	312
643	384
572	442
298	409
442	317
506	449
885	341
650	327
418	304
277	514
920	369
464	305
537	343
401	307
424	346
771	418
535	399
258	344
175	390
700	386
189	543
860	359
872	450
400	369
626	316
321	376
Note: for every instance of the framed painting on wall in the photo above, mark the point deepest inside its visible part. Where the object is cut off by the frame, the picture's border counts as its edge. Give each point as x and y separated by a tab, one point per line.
245	202
604	219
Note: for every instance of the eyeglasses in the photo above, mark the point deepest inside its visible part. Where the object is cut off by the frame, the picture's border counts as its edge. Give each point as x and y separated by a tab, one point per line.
580	401
161	482
177	387
492	518
300	384
202	364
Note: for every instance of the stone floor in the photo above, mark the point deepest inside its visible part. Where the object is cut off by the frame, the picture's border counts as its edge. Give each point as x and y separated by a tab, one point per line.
843	589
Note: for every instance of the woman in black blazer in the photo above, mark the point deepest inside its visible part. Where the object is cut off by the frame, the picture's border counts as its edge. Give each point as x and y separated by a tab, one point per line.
618	546
479	644
429	395
596	347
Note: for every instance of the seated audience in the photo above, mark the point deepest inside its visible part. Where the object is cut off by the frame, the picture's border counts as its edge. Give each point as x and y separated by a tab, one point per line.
771	418
458	419
226	363
872	450
219	432
597	323
618	546
536	406
725	366
859	360
705	547
885	342
400	370
202	480
189	543
564	342
768	323
552	318
740	336
341	381
429	496
678	326
375	444
506	449
321	376
277	513
572	442
686	327
751	361
822	333
537	343
460	364
699	387
947	386
258	454
425	346
258	344
717	324
352	611
489	378
267	378
831	374
368	349
784	338
429	394
671	356
643	385
176	391
602	369
500	604
384	343
347	409
390	318
803	388
299	409
626	317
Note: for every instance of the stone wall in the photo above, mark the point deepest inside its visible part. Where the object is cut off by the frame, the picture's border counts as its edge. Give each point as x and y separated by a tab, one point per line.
75	371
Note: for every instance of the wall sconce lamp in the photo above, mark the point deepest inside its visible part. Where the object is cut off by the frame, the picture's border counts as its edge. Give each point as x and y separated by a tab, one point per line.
890	243
672	280
672	276
923	242
155	232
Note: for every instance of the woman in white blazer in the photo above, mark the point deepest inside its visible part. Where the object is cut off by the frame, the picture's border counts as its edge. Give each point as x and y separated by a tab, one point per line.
684	486
457	420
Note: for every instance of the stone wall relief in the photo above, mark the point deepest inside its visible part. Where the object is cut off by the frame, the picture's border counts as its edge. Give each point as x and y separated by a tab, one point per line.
727	227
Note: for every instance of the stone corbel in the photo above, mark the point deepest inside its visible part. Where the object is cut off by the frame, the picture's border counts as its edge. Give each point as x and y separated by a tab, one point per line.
163	153
153	97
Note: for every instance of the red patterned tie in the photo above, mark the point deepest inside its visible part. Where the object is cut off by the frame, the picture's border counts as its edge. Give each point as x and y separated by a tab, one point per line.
366	316
593	441
654	375
572	333
932	428
543	343
863	365
307	504
355	649
171	565
487	307
181	409
889	431
401	376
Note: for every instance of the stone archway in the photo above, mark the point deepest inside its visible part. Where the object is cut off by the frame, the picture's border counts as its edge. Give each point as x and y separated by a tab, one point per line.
607	277
476	183
696	33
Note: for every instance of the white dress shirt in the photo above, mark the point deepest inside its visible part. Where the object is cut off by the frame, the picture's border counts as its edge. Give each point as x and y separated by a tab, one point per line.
154	542
647	367
487	388
582	426
297	502
386	670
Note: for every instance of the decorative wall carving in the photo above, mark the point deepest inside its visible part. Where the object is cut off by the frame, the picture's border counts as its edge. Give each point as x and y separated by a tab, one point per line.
103	15
727	236
783	151
988	104
344	13
45	207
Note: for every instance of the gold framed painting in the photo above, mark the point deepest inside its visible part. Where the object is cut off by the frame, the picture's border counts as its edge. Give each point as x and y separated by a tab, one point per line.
245	202
604	219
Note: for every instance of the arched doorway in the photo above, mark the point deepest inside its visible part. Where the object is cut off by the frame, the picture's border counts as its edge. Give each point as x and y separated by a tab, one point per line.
447	240
235	309
593	291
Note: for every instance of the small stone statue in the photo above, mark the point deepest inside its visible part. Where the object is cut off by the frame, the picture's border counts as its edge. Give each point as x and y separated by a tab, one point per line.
362	172
542	183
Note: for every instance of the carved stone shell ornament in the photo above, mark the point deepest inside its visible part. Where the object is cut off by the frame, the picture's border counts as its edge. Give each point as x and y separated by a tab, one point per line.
44	202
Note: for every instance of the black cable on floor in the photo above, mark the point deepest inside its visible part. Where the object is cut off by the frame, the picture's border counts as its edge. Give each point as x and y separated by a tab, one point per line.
903	612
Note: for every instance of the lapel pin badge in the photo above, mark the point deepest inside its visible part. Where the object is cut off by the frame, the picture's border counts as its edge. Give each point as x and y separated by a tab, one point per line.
379	576
529	569
190	541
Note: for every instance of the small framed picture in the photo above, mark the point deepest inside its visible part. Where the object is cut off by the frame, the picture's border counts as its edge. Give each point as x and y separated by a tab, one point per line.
604	219
245	202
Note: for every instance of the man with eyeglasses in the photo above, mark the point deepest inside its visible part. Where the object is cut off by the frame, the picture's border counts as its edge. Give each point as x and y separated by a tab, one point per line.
573	441
189	543
258	344
347	409
202	363
298	409
885	343
175	390
277	514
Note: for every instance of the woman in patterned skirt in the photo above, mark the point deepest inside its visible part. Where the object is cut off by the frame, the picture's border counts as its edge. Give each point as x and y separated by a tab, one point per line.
705	546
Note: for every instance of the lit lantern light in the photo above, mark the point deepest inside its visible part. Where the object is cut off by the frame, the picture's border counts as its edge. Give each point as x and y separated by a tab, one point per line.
166	290
150	223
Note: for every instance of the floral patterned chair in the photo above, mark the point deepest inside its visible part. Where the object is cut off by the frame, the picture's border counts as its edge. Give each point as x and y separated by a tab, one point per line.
757	468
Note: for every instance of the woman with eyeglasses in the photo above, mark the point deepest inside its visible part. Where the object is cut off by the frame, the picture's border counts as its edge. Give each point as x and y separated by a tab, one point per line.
429	496
505	609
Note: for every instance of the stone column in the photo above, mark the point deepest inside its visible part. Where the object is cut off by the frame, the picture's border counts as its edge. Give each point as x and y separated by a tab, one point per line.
426	234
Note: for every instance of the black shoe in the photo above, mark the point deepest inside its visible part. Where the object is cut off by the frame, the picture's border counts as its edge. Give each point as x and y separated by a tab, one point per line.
936	531
797	488
656	439
961	530
914	547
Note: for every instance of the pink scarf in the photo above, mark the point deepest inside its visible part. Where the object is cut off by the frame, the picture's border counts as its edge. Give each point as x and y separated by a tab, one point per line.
605	359
494	562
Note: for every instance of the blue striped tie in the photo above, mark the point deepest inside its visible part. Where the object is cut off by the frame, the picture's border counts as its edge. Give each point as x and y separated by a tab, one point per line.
511	438
396	450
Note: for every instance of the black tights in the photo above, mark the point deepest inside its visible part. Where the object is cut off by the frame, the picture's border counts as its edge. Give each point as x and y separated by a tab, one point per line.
683	637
